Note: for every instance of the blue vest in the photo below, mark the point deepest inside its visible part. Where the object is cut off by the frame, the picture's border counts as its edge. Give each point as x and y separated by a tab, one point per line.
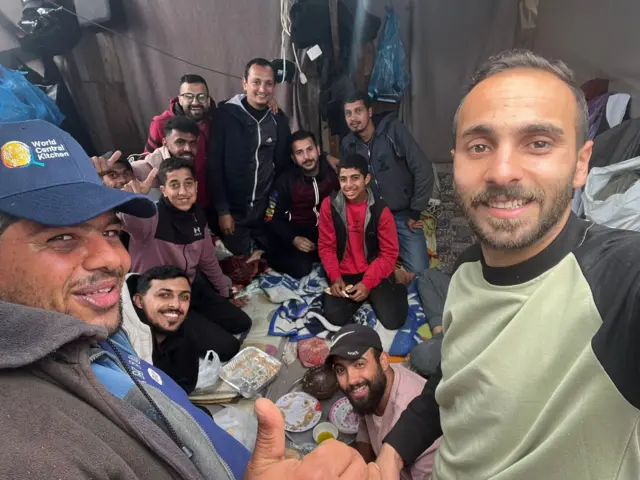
118	383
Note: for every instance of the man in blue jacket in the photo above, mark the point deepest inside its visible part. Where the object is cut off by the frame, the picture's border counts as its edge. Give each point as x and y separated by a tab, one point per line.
80	403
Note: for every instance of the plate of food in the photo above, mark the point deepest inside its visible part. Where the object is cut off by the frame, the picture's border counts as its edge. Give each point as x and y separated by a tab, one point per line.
301	411
344	418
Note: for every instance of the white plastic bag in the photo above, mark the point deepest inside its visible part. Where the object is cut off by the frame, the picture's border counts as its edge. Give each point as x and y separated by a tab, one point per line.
208	371
240	424
621	210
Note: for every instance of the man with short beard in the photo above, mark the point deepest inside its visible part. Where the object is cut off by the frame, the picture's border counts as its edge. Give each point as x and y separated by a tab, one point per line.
180	140
294	207
77	402
539	371
193	102
377	390
155	305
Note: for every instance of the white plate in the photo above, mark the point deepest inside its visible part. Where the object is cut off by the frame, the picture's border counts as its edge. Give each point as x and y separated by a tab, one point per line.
301	411
343	417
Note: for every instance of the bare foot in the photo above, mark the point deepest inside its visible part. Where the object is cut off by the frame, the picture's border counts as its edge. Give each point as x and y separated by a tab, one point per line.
255	256
402	276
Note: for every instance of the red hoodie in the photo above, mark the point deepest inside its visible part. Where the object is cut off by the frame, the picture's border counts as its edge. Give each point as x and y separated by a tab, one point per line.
156	135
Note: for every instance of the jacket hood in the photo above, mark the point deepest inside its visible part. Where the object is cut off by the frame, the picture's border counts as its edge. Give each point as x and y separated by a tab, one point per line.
235	106
30	334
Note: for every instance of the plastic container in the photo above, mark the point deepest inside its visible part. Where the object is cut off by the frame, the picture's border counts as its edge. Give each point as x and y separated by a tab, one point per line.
325	431
250	371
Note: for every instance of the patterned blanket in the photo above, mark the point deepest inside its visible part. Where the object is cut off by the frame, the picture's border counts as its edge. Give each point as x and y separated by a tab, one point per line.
300	313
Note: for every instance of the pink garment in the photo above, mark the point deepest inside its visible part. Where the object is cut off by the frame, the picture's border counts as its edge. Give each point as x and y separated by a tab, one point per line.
406	386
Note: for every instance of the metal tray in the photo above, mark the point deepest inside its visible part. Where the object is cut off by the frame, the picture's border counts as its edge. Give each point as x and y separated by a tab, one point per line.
250	371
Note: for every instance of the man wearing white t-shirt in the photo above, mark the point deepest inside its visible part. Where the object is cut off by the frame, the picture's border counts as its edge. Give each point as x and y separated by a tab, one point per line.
378	391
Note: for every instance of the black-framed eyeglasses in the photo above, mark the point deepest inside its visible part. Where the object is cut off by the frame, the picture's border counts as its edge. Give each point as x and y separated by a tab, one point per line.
190	97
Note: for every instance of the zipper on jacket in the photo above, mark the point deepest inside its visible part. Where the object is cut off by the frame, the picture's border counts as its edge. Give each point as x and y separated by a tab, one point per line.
317	194
373	172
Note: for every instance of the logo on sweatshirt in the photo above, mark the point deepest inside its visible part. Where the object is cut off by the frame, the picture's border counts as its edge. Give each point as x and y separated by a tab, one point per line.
197	232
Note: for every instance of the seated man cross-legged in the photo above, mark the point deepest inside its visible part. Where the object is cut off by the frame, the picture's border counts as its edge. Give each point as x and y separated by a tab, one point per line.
378	391
178	235
294	207
154	307
358	247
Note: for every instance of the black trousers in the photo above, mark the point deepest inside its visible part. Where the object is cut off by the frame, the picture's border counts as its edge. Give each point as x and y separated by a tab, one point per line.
250	233
288	259
213	321
389	301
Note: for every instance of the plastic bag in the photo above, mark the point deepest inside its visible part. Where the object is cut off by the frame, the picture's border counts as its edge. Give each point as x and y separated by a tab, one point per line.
619	210
240	424
208	371
21	100
390	76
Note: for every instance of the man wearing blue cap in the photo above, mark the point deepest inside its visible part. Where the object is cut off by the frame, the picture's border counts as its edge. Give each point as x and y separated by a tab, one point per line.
76	400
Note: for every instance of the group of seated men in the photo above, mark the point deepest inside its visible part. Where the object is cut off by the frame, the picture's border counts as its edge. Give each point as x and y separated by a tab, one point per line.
236	169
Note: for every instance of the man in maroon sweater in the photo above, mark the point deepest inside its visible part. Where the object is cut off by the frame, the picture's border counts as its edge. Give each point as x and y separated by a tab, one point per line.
358	247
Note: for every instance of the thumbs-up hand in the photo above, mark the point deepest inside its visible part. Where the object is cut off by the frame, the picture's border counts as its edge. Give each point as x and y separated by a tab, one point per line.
136	186
330	461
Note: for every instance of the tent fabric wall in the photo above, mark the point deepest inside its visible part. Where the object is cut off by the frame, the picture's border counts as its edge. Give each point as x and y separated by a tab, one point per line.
450	40
596	39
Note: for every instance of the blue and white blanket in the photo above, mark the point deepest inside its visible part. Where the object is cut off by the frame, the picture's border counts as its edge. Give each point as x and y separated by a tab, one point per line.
300	313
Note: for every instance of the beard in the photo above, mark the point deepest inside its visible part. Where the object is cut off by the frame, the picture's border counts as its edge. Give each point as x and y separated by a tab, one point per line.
118	326
515	233
369	404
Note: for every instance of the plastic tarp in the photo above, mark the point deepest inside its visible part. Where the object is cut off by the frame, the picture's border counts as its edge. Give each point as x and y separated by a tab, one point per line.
617	210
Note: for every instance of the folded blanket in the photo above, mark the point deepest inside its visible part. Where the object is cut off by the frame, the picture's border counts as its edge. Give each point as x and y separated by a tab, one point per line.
300	314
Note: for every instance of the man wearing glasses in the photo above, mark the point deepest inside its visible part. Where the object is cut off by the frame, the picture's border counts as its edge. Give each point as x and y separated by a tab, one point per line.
193	101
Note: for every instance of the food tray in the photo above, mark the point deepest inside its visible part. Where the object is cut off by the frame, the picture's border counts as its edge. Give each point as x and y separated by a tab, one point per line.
250	371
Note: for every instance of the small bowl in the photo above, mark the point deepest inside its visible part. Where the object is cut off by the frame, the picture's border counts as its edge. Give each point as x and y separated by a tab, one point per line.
325	427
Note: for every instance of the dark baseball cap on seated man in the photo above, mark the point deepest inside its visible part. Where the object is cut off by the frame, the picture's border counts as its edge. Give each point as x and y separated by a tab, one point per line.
46	177
353	341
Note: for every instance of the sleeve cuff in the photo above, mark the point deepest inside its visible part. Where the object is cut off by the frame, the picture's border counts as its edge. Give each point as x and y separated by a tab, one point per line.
370	284
414	214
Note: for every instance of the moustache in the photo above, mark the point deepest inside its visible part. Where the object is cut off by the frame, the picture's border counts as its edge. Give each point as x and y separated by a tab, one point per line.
506	194
97	278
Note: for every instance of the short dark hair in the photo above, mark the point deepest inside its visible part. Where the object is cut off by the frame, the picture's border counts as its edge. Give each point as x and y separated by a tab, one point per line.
356	96
261	62
525	59
162	272
6	221
303	135
182	124
171	164
354	160
193	78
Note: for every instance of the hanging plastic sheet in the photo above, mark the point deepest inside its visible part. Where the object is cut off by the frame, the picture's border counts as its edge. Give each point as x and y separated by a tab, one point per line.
390	76
21	100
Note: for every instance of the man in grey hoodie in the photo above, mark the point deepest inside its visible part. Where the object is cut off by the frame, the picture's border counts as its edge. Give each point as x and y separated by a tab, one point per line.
76	400
401	173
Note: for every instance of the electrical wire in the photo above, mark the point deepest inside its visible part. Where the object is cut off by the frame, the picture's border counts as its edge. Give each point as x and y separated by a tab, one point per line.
285	20
131	39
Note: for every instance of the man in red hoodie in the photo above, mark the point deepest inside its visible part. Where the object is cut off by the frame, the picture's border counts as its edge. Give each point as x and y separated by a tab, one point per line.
193	101
358	247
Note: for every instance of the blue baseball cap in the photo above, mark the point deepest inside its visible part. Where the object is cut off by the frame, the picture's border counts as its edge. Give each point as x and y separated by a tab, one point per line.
46	177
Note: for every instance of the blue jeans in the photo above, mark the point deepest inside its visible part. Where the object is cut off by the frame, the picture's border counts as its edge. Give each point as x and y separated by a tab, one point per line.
413	246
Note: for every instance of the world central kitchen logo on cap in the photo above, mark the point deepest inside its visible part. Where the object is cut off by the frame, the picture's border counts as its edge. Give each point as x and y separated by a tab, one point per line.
18	154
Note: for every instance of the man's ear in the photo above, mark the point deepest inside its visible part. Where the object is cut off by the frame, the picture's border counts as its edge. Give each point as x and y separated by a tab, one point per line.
162	189
384	361
367	179
582	167
164	141
137	300
245	85
370	112
453	153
